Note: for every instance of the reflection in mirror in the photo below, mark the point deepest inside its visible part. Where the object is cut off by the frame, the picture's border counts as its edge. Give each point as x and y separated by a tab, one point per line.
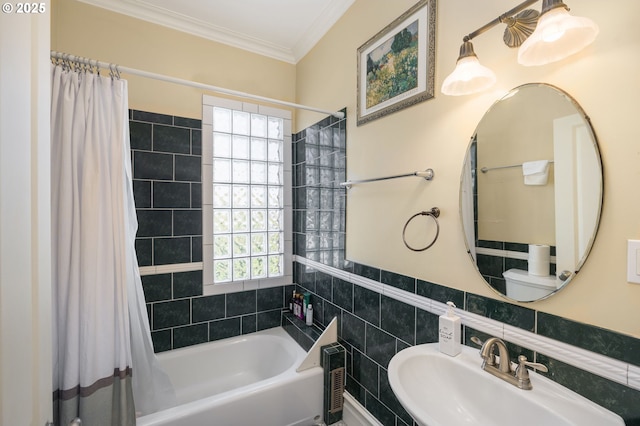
531	192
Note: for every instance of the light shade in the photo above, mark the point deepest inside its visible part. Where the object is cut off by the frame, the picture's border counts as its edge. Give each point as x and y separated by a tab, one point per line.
557	35
469	76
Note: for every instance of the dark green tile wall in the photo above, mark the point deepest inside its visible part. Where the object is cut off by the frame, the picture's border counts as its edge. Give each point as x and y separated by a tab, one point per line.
378	327
180	315
373	327
167	181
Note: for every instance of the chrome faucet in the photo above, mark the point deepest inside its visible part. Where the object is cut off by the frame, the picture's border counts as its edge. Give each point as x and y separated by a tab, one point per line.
489	363
519	376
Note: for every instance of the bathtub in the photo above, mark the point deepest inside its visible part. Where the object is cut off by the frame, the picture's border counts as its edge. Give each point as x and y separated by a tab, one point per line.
241	381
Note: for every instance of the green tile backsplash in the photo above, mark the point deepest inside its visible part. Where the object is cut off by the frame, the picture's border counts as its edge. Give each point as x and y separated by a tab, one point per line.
595	339
398	281
507	313
372	340
616	397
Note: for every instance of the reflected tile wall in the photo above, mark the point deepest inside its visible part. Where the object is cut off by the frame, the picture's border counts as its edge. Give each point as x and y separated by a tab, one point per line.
495	261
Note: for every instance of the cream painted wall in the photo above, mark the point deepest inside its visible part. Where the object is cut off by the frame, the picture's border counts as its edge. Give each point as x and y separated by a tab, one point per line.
83	30
603	79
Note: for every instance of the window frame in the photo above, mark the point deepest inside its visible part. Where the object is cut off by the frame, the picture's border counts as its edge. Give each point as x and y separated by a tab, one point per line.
209	287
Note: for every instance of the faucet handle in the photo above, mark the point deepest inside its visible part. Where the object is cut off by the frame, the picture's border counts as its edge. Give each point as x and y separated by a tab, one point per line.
477	341
522	374
522	361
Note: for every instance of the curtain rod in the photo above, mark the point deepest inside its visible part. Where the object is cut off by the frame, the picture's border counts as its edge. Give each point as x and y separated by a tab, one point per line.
147	74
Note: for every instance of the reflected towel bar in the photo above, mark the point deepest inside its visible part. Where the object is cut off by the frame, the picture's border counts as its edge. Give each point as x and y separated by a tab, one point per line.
426	174
486	169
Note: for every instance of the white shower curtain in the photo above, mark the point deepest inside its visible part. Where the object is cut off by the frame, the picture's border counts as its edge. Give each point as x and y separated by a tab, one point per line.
102	357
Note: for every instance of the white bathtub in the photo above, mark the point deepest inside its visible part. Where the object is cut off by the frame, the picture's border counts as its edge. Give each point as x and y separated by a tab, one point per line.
241	381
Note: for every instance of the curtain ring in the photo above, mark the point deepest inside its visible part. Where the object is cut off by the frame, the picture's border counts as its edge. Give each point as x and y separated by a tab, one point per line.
114	72
434	213
66	65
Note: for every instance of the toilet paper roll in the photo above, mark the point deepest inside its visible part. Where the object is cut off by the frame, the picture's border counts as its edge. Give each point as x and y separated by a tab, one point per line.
539	259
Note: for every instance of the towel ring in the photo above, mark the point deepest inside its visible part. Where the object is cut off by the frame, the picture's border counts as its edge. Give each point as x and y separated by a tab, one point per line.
434	213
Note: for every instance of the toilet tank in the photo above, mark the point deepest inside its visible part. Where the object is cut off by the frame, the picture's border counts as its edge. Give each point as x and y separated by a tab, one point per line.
525	287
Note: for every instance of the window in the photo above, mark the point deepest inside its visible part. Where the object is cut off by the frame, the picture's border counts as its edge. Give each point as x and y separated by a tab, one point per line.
246	179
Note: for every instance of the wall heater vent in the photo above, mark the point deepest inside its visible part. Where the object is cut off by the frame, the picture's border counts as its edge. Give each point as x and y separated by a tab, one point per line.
336	399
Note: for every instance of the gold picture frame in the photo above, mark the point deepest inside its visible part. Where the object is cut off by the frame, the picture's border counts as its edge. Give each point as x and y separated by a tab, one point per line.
396	67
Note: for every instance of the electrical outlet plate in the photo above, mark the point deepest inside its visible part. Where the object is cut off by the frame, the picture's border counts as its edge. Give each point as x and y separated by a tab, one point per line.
633	261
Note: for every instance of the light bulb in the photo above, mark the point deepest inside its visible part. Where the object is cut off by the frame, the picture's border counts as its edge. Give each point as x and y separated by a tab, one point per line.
469	76
557	36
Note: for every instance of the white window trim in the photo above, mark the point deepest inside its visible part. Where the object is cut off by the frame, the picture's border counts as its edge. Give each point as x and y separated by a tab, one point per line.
209	288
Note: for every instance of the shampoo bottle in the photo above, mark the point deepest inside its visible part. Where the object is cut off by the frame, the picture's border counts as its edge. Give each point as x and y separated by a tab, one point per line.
449	332
295	304
309	318
300	307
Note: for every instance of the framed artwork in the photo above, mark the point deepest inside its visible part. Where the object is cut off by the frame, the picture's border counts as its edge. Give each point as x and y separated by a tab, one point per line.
396	67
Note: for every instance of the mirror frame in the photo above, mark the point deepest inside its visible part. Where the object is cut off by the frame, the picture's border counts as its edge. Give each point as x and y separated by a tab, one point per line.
589	246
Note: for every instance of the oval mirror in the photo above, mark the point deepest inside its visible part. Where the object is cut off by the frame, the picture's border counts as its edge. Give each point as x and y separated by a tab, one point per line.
531	192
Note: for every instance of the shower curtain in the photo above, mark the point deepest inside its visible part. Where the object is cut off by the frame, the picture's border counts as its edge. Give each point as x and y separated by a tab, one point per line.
103	360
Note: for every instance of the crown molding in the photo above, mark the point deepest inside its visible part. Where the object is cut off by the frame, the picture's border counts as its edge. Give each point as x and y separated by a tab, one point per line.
160	16
320	26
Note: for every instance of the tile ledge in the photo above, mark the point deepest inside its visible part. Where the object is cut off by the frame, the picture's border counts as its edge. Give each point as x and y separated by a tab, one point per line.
167	269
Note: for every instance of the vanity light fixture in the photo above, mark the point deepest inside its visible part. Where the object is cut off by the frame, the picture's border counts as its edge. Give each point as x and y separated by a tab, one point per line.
469	76
543	38
557	35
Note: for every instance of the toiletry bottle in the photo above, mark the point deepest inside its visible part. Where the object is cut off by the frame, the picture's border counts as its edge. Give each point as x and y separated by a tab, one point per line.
309	319
298	302
301	303
449	332
306	300
291	301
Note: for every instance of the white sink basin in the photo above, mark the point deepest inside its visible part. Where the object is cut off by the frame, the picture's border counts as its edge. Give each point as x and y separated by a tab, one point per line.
439	390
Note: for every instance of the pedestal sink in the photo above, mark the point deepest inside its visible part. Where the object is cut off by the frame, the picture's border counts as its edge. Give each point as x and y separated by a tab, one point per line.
440	390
